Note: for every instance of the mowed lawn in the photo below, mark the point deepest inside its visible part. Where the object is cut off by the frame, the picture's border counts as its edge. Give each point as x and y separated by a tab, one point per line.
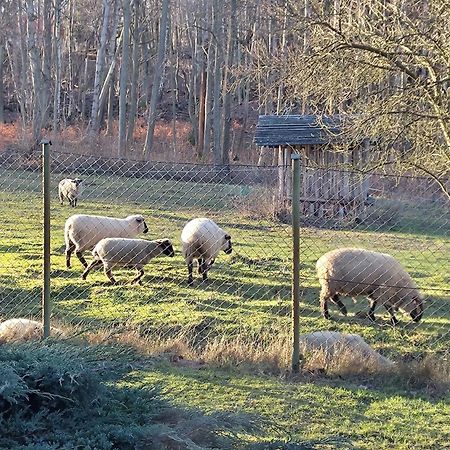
248	295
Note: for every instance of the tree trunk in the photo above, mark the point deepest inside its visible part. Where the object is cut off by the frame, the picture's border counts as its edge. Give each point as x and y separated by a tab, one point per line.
2	101
57	58
217	112
36	72
228	81
111	97
99	68
134	75
201	114
157	77
123	79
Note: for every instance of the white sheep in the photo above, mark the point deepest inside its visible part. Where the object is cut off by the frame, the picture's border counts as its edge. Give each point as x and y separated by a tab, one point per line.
82	232
70	189
344	351
130	253
203	239
24	330
379	276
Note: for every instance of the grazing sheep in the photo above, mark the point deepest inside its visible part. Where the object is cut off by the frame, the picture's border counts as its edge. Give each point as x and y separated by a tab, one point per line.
24	330
130	253
203	239
82	232
70	189
348	352
356	271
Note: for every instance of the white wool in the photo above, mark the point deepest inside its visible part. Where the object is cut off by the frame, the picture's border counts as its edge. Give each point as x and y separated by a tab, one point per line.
334	345
357	271
24	330
202	237
70	189
86	230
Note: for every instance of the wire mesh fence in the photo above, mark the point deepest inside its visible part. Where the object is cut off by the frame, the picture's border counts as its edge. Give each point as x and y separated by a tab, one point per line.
247	293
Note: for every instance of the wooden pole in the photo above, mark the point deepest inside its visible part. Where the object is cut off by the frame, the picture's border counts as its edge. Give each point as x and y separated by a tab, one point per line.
46	306
295	157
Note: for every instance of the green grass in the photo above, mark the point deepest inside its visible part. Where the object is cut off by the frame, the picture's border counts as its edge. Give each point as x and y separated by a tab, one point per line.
366	415
248	294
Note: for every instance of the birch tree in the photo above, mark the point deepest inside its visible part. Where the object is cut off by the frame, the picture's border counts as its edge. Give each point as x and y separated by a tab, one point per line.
159	66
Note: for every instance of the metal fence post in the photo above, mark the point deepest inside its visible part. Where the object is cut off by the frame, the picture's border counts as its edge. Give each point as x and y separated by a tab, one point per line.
295	157
46	306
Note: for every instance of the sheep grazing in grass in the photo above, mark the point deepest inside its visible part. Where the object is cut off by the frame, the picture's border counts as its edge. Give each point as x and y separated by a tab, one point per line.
130	253
340	352
203	239
24	330
70	189
82	232
380	277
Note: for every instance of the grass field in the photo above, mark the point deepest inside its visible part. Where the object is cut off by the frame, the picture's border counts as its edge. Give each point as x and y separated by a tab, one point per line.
247	296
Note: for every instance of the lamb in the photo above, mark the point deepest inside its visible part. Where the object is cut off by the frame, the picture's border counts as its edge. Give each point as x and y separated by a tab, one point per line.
379	276
24	330
82	232
70	189
342	351
203	239
130	253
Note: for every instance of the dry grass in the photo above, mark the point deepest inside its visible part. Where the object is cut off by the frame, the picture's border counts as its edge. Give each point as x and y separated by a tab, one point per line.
76	139
259	205
273	357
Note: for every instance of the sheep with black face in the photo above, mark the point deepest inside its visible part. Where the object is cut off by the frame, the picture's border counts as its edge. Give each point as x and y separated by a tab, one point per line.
129	253
379	276
203	239
70	189
82	232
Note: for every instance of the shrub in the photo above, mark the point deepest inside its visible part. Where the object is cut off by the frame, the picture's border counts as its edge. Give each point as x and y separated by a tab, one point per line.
61	396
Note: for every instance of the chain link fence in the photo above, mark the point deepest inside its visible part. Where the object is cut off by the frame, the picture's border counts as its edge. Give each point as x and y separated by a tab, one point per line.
247	296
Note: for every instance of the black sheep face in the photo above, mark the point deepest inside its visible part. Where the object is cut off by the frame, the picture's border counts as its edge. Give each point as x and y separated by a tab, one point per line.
227	246
167	248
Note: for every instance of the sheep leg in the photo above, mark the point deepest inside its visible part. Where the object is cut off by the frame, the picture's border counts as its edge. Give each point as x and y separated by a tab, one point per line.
200	265
81	258
61	199
92	265
109	274
390	310
69	250
204	270
324	304
337	301
138	278
190	277
372	306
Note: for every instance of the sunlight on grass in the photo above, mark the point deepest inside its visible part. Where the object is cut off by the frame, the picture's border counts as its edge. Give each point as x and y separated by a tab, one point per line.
248	291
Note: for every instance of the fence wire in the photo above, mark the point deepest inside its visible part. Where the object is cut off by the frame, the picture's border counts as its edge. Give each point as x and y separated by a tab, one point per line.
248	292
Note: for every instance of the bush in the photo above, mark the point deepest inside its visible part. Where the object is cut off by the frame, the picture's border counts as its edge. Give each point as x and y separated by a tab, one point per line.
60	396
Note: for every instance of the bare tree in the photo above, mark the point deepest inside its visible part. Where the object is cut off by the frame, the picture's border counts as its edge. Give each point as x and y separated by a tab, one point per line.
99	67
123	79
385	65
163	27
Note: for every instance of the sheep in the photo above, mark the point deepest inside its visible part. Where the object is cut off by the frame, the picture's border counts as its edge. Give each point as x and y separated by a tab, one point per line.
379	276
24	330
70	189
82	232
342	351
130	253
203	239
